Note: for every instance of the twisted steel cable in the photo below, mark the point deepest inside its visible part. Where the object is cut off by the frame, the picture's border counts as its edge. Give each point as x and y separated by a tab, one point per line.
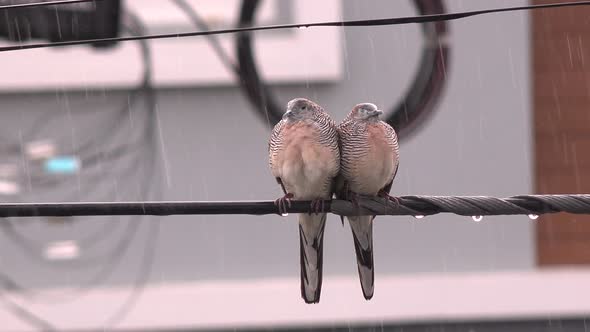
408	205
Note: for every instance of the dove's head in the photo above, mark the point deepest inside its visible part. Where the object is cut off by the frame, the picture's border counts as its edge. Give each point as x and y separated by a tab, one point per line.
365	112
301	109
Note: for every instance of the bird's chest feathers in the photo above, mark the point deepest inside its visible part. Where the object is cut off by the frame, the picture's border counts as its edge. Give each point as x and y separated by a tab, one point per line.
378	165
305	163
380	148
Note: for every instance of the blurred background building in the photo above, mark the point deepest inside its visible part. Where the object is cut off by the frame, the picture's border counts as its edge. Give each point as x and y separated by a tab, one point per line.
490	105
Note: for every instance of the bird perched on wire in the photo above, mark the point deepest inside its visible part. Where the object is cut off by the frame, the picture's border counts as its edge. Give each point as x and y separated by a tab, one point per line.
368	164
305	160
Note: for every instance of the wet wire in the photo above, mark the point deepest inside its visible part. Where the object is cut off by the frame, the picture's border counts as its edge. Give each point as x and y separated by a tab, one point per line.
407	205
352	23
44	3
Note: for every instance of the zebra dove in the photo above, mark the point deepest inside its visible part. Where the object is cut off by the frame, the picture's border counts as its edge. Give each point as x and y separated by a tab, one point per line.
369	163
304	158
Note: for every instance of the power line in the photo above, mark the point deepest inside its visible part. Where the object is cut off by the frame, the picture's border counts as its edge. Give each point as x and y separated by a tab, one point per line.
43	3
353	23
408	205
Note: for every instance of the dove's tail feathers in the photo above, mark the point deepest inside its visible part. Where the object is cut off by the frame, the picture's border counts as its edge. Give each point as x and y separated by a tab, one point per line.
311	242
339	189
362	232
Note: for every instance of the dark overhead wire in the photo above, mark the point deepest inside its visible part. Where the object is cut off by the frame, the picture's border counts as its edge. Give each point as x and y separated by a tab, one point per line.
408	205
353	23
43	3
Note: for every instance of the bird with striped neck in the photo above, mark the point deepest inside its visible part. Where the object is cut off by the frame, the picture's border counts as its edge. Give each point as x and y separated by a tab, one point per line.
368	164
304	159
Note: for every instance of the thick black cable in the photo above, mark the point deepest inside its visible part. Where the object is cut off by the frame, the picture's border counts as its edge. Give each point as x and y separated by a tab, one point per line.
353	23
408	205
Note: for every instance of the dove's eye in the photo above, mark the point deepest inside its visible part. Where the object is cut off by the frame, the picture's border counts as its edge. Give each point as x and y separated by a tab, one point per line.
303	107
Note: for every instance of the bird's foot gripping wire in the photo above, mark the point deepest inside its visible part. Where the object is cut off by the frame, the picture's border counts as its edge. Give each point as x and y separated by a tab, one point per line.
317	206
393	199
352	197
283	202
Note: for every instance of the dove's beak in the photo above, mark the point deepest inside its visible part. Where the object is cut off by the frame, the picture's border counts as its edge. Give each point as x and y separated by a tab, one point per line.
287	114
375	113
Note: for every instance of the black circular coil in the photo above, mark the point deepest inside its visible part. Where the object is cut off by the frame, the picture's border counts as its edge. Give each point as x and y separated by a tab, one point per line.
406	117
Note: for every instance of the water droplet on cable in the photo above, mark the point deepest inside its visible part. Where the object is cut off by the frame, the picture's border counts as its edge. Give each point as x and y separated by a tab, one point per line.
477	218
419	216
533	216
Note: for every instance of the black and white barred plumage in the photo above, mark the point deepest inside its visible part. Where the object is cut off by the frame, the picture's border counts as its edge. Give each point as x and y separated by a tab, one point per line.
304	158
369	162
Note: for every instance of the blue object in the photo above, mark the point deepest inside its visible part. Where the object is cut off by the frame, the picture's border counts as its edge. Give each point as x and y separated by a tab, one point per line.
62	165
